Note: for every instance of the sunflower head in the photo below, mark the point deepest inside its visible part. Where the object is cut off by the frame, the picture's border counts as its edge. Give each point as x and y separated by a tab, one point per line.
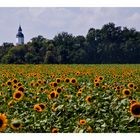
73	80
67	80
53	94
135	109
88	99
126	92
9	82
133	102
100	78
59	89
54	130
82	122
130	85
96	80
19	84
79	94
3	122
37	108
21	88
18	95
43	106
16	124
89	129
58	80
14	81
97	84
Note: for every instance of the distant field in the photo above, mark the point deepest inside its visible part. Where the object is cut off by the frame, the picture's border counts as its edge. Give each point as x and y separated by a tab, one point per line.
69	98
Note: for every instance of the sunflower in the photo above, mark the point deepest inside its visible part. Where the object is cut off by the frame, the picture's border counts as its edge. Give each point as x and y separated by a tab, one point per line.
96	80
78	94
3	122
82	122
43	106
37	108
14	81
39	81
18	95
16	124
67	80
133	102
73	80
59	89
31	84
81	89
54	130
100	78
97	84
88	99
3	84
135	109
19	84
126	92
53	94
21	88
89	129
130	85
14	86
103	87
58	80
9	83
53	84
135	88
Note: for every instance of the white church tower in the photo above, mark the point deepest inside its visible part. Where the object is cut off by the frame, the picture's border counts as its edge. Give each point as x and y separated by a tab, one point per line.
19	37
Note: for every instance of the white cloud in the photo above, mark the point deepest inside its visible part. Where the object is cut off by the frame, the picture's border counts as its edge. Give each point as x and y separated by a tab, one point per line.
50	21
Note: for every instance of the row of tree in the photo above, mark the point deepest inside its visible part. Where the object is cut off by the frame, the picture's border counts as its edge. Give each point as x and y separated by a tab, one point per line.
110	44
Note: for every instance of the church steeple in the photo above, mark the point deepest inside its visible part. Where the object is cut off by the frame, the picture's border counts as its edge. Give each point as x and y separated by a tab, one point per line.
20	29
19	36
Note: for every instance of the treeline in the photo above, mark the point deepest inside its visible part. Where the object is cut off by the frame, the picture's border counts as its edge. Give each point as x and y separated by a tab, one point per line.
110	44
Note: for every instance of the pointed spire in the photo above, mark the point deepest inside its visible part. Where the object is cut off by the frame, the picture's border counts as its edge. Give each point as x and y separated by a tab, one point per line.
19	29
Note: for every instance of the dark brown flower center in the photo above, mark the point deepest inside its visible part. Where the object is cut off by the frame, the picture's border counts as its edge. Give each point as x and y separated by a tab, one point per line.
37	108
67	80
21	89
101	78
59	90
136	109
127	92
131	85
55	84
1	122
73	81
97	84
9	83
52	95
42	106
55	131
89	99
15	81
18	95
17	125
58	80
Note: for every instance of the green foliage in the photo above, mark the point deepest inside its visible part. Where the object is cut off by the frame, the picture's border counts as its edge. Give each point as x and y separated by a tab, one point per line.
110	44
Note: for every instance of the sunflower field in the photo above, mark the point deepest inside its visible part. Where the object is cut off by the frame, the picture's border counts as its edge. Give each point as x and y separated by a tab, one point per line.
69	98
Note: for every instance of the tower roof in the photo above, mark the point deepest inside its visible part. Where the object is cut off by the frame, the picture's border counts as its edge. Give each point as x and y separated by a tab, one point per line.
19	34
19	29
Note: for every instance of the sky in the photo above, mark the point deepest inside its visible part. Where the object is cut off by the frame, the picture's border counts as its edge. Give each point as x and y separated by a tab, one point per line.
49	21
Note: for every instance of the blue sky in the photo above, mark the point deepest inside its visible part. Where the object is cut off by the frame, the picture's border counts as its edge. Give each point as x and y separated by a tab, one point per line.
51	21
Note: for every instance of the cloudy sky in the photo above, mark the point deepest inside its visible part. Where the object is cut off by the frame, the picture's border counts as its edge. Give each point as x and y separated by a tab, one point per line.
50	21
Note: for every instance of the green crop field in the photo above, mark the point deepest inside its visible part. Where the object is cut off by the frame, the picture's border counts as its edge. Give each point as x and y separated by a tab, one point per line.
69	98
